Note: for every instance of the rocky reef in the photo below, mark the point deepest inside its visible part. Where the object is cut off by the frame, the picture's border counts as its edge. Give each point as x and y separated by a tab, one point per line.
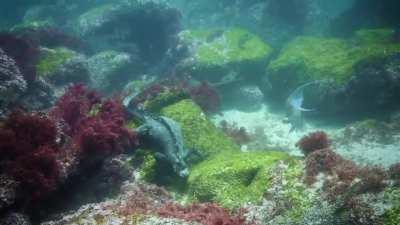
149	112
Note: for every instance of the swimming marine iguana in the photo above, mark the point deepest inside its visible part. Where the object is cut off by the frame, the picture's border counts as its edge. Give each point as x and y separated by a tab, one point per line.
162	135
295	104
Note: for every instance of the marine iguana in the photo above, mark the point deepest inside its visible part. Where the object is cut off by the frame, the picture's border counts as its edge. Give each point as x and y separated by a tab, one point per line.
162	135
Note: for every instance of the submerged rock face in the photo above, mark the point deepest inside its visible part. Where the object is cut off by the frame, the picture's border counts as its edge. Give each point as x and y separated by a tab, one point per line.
374	89
234	179
15	219
130	26
8	191
109	70
218	54
366	13
12	83
337	62
62	66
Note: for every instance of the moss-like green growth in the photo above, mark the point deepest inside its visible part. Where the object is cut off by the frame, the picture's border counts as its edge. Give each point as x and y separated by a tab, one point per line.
52	59
233	179
31	25
218	47
315	58
218	51
198	132
146	162
373	36
286	187
163	99
392	215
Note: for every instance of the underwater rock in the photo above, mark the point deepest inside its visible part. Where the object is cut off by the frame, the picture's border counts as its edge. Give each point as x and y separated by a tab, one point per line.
131	206
246	97
110	70
233	179
12	82
40	95
8	191
109	179
62	66
366	14
47	34
130	26
333	60
24	52
218	53
199	134
15	219
374	90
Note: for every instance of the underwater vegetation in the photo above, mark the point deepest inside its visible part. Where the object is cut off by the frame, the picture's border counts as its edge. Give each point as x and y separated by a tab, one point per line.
41	151
245	112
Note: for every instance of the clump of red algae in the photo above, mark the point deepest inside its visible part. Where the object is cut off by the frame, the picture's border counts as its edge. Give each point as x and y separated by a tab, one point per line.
205	96
29	151
34	148
314	141
238	134
95	126
344	182
205	213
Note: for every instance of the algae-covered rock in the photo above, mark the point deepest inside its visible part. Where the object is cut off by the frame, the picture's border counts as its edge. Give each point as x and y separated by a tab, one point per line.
165	98
392	214
219	52
144	28
199	134
32	25
96	17
308	58
51	59
61	66
110	69
233	179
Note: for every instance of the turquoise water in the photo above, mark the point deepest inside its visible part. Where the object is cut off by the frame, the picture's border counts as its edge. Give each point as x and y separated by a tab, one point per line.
139	112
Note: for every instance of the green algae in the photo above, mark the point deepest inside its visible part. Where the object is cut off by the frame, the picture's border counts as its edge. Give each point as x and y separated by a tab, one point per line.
52	59
31	25
219	51
317	58
232	179
199	134
234	45
392	215
147	164
163	99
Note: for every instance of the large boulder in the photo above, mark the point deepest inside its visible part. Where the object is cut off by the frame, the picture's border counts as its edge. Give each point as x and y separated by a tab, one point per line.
61	66
131	26
222	53
331	60
373	90
110	70
233	179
